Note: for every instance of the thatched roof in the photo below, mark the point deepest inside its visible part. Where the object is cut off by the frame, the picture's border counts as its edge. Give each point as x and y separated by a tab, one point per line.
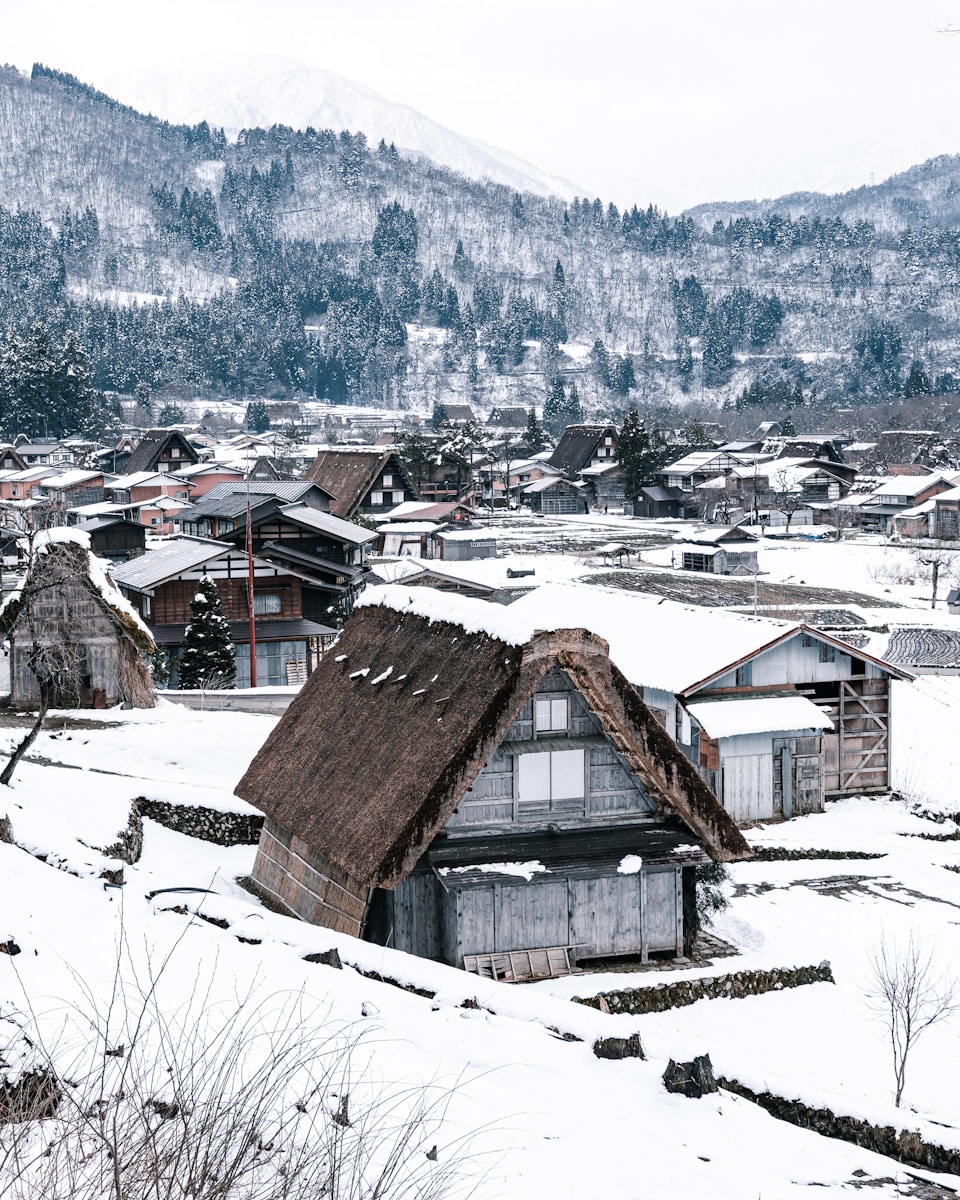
350	474
577	445
371	759
152	447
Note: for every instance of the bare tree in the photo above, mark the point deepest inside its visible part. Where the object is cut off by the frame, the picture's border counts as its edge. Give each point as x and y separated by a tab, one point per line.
940	557
788	496
260	1098
908	996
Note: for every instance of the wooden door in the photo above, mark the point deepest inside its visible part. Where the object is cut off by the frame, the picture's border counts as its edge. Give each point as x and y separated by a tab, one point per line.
807	784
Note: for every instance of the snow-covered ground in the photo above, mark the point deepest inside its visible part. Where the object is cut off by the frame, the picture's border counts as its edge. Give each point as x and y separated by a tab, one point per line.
546	1116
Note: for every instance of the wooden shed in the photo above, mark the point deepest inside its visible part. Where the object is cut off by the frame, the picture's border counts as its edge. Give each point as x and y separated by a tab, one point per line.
776	715
68	621
499	792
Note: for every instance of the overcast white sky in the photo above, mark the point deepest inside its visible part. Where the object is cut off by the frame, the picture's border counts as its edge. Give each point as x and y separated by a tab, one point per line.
675	102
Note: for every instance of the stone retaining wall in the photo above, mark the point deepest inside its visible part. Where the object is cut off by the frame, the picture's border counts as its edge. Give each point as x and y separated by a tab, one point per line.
905	1145
223	828
680	992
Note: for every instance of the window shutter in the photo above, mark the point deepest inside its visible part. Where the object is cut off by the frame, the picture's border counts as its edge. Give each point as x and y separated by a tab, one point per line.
567	770
534	777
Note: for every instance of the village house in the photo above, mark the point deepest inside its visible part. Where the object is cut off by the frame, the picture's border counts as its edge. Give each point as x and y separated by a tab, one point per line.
776	715
328	554
365	481
224	507
946	521
161	584
161	450
114	537
69	625
717	550
434	531
553	495
897	495
505	802
656	503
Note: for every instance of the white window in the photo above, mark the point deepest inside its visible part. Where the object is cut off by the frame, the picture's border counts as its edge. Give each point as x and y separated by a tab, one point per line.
388	481
174	451
376	499
551	714
398	497
265	603
558	775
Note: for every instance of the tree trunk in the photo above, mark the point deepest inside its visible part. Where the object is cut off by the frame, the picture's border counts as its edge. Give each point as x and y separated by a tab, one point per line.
28	741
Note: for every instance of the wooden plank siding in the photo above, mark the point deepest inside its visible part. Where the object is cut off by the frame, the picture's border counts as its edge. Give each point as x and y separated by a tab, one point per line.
304	884
596	917
609	789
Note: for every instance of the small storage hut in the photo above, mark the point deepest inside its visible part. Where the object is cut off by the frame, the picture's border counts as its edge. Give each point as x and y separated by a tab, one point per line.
69	619
455	785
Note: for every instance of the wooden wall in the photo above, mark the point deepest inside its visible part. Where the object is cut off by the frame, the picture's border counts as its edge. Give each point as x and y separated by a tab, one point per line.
303	883
600	915
610	790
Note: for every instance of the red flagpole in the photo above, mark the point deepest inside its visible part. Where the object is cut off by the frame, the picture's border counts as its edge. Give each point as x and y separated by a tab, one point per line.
253	624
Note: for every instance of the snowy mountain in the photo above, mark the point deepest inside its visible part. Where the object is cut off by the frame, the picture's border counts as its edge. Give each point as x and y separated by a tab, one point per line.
258	91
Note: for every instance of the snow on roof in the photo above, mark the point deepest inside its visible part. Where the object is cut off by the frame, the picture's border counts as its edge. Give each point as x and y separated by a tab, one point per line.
97	571
762	714
655	643
467	535
702	548
474	616
70	479
170	559
408	527
908	485
919	510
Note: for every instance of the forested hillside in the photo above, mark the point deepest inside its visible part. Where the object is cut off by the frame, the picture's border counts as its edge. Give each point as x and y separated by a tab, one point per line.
309	262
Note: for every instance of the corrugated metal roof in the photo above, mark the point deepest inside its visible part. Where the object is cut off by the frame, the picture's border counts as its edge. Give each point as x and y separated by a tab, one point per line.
169	560
325	522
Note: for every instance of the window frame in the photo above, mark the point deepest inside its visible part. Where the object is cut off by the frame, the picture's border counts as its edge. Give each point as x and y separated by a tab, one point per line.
558	715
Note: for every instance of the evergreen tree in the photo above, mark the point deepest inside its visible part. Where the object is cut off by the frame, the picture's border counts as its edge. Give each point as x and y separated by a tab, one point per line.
555	408
600	361
144	402
439	415
534	437
209	657
574	407
258	416
918	381
416	454
171	414
633	452
787	427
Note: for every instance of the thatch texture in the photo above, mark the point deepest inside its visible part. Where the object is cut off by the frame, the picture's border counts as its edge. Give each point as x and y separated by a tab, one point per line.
369	762
350	474
67	601
576	447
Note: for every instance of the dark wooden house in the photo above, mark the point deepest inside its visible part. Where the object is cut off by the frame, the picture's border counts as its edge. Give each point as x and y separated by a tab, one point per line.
70	624
115	537
552	496
161	584
364	480
161	450
496	797
583	446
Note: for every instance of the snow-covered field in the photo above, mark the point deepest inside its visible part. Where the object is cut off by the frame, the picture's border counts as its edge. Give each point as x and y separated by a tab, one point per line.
542	1115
